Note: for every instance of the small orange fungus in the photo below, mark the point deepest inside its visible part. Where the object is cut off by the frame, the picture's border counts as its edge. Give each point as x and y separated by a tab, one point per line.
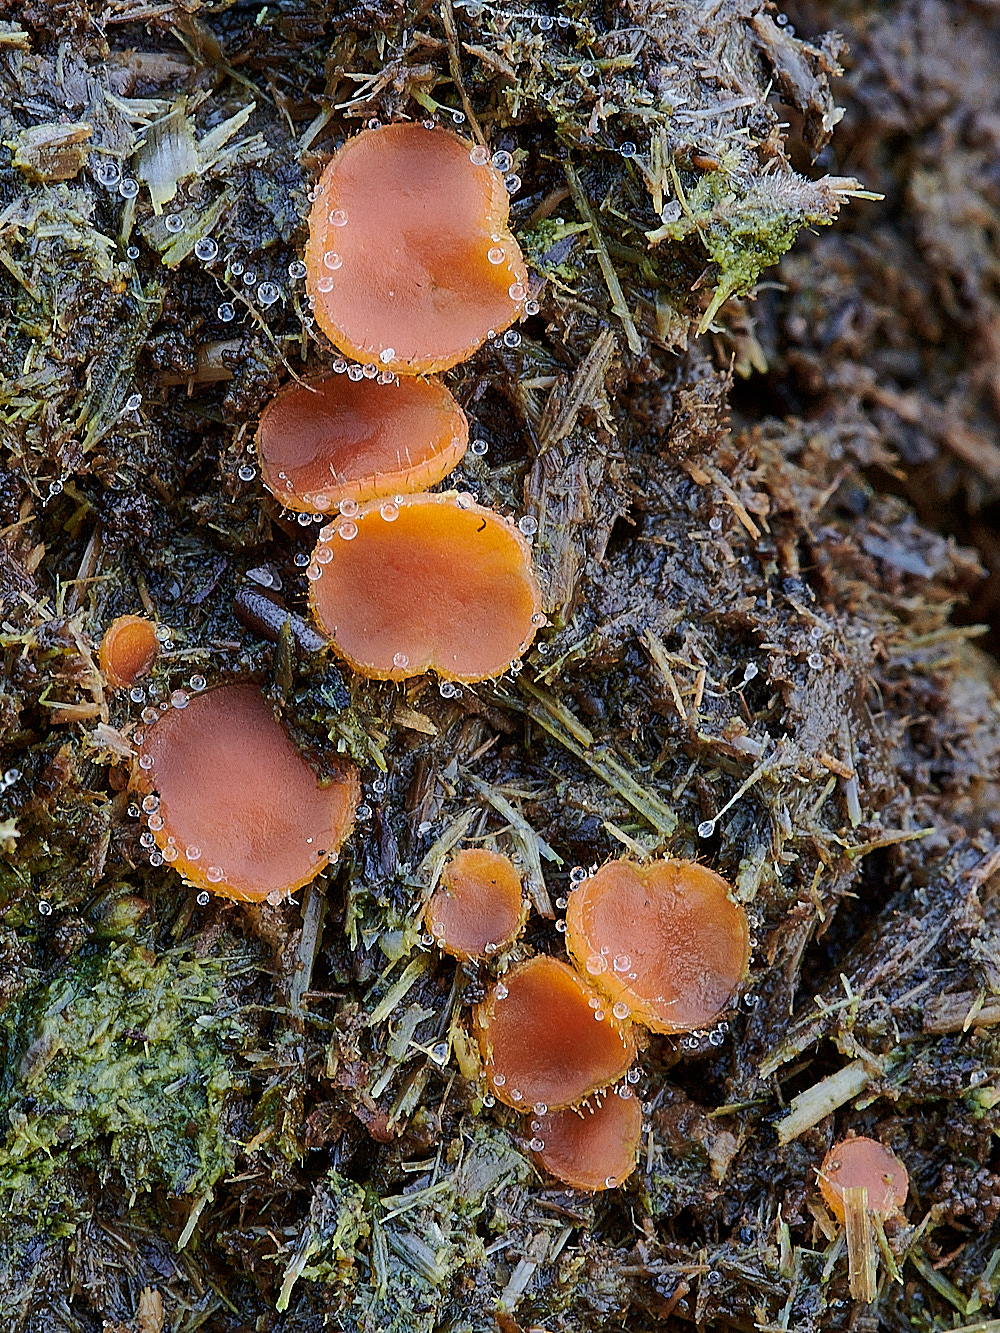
865	1162
546	1038
410	261
478	907
128	650
342	439
665	942
590	1147
238	810
427	582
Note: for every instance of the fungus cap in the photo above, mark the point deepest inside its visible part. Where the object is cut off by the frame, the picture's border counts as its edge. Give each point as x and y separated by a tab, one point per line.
478	907
426	582
128	650
340	439
867	1162
410	261
547	1039
664	939
591	1147
240	811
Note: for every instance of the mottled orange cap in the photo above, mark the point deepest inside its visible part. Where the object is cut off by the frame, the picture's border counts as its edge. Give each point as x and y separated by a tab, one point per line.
240	812
478	907
410	260
336	439
128	650
593	1146
665	941
867	1162
431	582
547	1039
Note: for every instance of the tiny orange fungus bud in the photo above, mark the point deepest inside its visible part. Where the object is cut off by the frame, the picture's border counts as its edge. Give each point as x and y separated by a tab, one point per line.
478	907
861	1161
239	810
665	941
432	581
546	1037
128	650
591	1147
342	439
410	260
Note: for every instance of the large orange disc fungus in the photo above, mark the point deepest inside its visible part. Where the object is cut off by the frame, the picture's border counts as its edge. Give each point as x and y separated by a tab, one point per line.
591	1147
340	439
410	261
428	582
239	810
546	1038
478	907
866	1162
128	650
665	942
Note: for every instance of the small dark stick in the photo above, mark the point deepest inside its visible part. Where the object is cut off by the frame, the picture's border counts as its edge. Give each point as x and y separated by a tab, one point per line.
266	614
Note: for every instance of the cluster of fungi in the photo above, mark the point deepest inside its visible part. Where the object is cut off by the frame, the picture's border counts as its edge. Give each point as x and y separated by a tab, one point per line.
411	266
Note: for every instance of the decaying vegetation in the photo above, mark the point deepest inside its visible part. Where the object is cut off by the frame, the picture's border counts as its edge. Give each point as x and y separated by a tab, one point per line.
227	1117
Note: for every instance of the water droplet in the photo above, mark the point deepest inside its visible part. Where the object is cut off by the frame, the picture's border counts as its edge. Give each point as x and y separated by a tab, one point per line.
206	249
815	660
246	472
499	1080
45	908
250	277
577	875
132	252
611	1182
621	1011
348	531
332	261
622	962
545	22
128	188
192	852
706	828
387	354
147	840
137	694
389	511
479	447
155	822
313	572
148	716
133	402
516	291
516	1094
715	523
179	699
296	269
531	307
303	520
301	559
268	293
495	255
489	1100
349	508
338	218
145	761
528	525
236	267
447	690
323	555
599	1015
107	173
537	1145
174	223
273	898
369	371
627	149
512	182
587	69
561	927
479	155
355	373
561	903
512	338
503	161
464	500
500	991
151	804
226	312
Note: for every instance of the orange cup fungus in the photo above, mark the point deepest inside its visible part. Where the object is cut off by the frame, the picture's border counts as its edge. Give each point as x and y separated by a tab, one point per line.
340	439
546	1040
478	907
128	650
430	581
237	809
410	261
590	1147
866	1162
664	942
